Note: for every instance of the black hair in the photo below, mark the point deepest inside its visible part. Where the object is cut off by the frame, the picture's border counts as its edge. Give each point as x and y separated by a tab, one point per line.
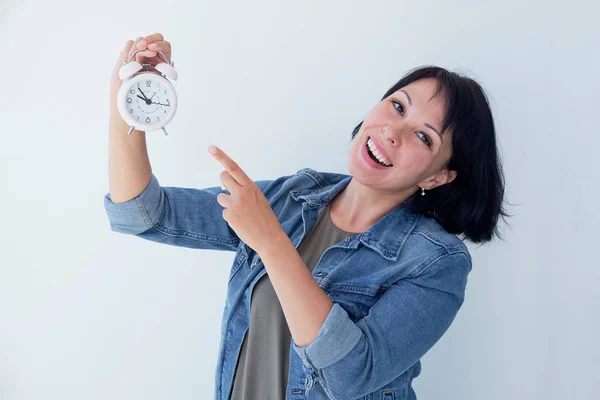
472	203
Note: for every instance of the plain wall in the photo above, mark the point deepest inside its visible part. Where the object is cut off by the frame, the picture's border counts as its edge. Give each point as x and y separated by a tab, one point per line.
86	313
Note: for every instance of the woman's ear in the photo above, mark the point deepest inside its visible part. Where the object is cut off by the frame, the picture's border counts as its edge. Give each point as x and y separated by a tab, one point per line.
441	178
451	175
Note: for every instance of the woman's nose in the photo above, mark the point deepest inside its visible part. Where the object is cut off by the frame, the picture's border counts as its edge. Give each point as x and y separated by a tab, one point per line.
393	134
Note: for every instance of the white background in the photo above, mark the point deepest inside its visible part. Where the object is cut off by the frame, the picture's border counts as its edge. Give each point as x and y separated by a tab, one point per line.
86	313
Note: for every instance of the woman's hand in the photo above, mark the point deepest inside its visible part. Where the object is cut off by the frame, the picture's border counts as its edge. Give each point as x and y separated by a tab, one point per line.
246	209
151	44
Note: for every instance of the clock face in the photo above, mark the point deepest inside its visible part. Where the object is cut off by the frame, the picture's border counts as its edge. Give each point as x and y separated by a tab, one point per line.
149	101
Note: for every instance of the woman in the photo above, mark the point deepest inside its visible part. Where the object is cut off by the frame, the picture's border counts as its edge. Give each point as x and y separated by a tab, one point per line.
381	244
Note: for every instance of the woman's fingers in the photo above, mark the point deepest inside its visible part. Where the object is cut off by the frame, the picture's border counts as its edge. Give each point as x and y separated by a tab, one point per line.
151	44
133	48
161	45
127	47
124	51
115	79
149	40
155	41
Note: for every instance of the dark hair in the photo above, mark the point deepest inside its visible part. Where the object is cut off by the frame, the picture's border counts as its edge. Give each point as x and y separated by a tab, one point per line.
472	203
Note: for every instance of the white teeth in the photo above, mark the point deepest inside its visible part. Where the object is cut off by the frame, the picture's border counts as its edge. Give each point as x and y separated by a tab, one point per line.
376	153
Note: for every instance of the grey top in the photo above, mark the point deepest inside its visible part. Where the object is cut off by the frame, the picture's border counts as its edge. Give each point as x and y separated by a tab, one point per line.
263	365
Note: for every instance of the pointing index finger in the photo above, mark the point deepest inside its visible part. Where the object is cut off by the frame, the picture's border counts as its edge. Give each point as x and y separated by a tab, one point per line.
230	166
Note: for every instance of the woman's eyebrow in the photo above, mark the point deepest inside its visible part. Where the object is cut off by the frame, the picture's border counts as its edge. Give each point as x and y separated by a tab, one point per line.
435	130
426	124
407	96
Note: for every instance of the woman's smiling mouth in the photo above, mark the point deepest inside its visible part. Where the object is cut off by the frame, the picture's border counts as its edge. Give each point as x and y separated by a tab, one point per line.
371	158
376	153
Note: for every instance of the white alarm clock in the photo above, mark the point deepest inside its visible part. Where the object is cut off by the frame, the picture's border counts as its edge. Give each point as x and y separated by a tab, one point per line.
147	100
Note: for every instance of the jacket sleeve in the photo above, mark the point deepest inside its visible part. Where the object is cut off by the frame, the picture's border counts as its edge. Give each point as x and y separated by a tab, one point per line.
353	359
178	216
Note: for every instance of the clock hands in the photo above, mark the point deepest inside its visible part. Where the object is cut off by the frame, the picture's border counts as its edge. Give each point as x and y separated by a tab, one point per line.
149	100
153	102
145	98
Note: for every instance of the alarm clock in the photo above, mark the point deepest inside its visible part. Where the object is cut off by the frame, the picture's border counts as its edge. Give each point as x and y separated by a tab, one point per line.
147	100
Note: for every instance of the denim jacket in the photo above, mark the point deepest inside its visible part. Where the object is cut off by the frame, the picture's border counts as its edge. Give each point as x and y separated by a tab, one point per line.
395	287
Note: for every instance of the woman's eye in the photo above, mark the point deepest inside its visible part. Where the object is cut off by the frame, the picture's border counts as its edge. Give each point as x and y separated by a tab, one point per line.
428	142
401	110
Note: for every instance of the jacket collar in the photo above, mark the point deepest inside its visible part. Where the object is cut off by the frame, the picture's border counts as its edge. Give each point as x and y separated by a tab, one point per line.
387	235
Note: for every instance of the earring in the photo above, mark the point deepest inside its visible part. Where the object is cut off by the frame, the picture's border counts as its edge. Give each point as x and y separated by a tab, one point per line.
422	191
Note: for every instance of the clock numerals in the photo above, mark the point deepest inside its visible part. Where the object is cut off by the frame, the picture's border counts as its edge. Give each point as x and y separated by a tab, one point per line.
144	102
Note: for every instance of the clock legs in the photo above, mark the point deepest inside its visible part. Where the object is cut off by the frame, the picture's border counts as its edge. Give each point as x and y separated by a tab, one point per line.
132	128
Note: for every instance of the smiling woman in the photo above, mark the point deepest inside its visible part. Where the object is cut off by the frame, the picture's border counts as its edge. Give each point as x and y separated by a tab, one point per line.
340	283
437	129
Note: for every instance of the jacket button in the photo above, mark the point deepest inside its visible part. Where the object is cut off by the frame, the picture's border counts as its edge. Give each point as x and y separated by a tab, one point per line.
309	382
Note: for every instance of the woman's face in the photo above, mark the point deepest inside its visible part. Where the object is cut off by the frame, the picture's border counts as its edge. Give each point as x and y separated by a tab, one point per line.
406	126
